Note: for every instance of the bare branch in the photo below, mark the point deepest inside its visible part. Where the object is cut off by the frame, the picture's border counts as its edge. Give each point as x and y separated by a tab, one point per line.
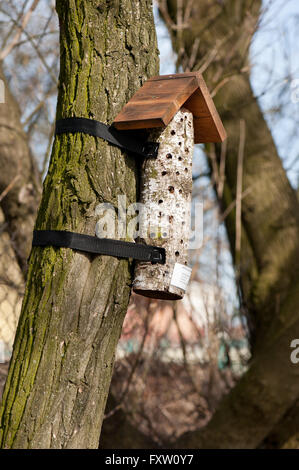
20	30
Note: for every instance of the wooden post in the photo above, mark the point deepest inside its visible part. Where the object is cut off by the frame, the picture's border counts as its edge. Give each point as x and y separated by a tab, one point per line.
166	189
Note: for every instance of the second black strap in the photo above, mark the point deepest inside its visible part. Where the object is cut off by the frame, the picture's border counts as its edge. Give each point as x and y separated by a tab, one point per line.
103	246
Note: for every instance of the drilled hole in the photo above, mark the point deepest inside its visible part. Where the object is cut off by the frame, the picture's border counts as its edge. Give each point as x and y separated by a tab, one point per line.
180	158
171	189
164	173
180	144
177	172
172	132
160	201
169	155
186	170
182	241
177	253
182	119
180	191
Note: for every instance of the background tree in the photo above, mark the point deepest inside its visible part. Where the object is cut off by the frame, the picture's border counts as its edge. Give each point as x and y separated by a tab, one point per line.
263	228
20	188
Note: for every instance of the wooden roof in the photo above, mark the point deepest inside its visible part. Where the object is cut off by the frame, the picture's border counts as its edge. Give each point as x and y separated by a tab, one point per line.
158	100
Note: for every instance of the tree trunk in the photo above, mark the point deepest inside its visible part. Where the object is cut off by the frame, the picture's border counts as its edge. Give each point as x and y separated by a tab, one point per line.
75	303
267	266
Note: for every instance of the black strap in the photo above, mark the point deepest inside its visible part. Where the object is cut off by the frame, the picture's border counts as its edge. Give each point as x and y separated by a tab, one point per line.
102	246
121	139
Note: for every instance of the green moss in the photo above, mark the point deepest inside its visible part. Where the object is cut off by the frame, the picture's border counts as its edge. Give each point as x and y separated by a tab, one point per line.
153	173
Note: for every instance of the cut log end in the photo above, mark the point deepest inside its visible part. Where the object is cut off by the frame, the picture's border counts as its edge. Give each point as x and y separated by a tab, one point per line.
157	294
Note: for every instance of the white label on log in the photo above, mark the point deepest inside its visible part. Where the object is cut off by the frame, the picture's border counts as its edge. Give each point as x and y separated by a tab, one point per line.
180	276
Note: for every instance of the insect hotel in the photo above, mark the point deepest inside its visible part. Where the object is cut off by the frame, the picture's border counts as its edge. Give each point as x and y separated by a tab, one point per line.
180	113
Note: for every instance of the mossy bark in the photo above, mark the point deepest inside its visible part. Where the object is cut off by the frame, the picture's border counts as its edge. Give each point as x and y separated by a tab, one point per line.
267	266
75	303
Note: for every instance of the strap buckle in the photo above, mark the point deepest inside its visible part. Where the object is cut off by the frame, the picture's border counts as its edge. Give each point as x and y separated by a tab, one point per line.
158	255
150	149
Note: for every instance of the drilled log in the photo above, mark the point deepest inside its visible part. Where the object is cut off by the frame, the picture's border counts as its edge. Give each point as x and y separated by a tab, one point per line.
166	188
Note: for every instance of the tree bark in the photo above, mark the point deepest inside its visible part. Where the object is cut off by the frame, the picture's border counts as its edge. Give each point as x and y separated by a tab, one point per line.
75	303
267	265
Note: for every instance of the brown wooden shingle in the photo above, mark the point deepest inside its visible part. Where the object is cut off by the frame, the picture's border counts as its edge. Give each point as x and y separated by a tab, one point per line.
158	100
